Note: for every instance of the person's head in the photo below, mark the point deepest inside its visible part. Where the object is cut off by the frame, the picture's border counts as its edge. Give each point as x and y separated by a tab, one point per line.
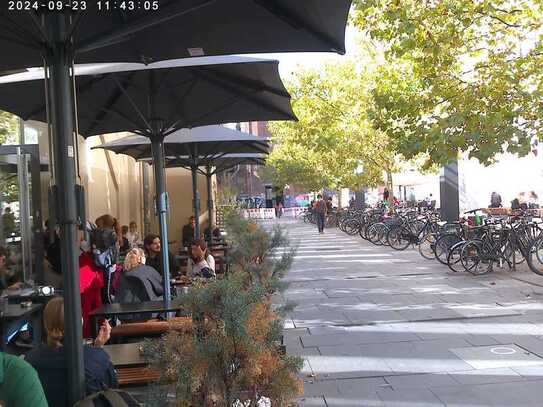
201	243
3	256
108	222
124	230
152	243
134	258
53	321
319	196
8	210
533	194
192	221
133	227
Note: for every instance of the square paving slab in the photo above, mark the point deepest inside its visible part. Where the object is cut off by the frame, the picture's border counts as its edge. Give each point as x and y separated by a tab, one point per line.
494	356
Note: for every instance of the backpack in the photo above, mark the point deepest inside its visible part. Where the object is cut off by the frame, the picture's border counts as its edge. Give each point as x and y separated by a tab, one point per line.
109	398
105	253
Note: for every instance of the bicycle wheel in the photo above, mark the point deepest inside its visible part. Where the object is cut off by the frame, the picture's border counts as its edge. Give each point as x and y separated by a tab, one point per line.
393	229
399	238
474	259
426	246
443	245
535	259
351	227
454	256
373	233
383	235
508	251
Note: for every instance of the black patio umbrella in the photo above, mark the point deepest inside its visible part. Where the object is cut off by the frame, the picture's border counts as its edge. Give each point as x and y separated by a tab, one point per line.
57	32
150	31
199	146
157	100
213	165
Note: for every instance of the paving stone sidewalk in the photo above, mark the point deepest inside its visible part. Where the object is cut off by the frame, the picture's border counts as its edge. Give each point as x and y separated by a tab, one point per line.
378	327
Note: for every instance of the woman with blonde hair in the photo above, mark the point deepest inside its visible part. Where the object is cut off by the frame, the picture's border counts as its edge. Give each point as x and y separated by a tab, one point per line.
138	282
50	360
134	258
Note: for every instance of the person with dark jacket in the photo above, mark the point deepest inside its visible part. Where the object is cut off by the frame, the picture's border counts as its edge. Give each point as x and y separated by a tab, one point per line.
495	200
188	232
138	282
51	244
50	360
320	209
153	258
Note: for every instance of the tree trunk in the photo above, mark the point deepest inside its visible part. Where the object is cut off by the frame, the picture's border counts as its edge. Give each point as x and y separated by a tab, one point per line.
390	186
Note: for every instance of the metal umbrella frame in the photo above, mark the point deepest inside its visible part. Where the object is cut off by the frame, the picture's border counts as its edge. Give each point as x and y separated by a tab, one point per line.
32	37
213	165
194	148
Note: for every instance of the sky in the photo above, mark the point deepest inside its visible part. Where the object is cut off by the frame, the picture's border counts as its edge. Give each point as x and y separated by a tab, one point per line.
290	62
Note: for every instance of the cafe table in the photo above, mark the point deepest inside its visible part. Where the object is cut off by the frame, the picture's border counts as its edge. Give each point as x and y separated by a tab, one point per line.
126	354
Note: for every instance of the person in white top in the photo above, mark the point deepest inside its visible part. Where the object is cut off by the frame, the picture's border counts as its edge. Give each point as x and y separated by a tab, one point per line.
134	239
201	263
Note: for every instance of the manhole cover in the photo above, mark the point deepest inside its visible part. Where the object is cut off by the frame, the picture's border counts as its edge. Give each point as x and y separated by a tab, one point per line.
487	357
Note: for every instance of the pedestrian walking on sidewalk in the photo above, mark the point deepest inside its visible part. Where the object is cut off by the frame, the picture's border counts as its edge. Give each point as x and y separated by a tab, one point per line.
320	212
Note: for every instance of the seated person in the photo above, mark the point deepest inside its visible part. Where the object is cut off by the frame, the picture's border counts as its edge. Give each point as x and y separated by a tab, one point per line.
20	385
188	232
152	254
213	232
201	263
138	282
8	280
50	360
133	235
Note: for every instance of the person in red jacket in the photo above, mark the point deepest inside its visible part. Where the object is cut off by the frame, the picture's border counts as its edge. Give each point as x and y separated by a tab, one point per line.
91	282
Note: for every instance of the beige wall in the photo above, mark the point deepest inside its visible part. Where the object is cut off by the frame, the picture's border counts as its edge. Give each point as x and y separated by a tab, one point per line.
179	187
116	190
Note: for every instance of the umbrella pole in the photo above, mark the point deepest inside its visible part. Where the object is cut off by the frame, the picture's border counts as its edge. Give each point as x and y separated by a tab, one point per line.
195	199
59	61
157	146
209	203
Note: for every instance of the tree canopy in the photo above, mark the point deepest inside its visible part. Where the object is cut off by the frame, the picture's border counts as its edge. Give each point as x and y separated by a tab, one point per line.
333	144
8	127
462	75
